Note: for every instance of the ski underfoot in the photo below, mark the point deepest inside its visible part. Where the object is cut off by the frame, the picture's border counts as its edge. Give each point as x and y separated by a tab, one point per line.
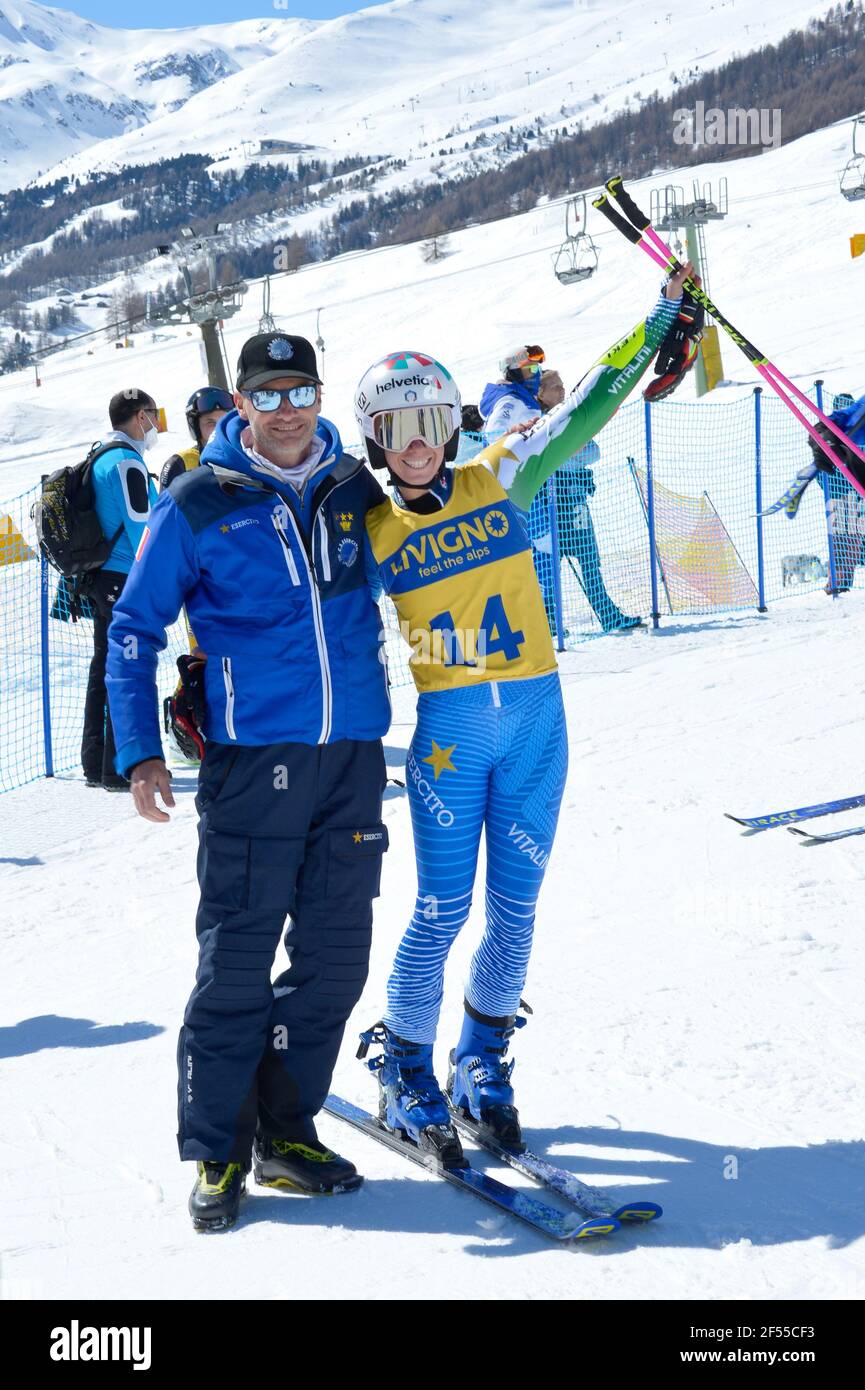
548	1221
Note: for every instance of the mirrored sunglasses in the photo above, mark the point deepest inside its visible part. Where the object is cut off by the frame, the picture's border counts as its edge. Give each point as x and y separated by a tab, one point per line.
269	397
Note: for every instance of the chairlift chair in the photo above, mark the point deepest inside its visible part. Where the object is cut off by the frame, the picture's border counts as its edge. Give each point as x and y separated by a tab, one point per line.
853	177
577	257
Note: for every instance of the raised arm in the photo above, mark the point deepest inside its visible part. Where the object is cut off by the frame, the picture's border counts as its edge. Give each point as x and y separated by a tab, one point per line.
522	462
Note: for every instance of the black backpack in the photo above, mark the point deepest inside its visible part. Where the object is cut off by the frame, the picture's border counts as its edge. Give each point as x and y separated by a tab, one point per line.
68	528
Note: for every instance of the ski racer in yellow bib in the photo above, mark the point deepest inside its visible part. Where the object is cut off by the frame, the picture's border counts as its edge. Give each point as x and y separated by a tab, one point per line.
489	751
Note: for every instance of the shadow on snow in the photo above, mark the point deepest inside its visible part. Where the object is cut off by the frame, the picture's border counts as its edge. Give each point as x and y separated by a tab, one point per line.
52	1030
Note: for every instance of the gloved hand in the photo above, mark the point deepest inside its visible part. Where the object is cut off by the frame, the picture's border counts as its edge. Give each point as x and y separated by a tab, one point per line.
678	352
823	462
184	712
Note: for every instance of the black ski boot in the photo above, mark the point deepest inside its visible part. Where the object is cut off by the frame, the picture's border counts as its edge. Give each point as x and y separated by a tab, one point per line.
302	1167
215	1198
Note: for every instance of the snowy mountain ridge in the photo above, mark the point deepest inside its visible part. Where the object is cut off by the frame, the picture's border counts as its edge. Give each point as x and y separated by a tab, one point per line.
67	84
399	77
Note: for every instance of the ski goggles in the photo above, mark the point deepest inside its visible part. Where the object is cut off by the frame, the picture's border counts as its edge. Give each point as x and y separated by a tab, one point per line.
530	361
532	365
210	398
268	398
395	429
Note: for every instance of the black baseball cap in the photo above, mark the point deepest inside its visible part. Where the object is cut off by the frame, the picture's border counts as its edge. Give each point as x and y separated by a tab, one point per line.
268	356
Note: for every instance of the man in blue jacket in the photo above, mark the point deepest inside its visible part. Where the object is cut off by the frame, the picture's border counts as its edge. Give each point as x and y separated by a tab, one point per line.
123	495
263	544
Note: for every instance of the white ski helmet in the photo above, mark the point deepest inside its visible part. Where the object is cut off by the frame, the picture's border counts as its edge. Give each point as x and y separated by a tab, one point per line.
403	382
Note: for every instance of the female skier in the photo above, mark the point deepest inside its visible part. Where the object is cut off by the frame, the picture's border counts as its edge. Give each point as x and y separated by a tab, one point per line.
490	747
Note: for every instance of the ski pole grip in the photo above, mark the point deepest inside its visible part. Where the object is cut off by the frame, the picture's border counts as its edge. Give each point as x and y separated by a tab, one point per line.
612	215
616	189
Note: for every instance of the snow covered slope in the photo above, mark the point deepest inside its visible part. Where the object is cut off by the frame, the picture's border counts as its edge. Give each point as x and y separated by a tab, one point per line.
698	1020
396	79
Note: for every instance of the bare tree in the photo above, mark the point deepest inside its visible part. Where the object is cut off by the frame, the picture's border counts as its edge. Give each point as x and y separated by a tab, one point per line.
437	243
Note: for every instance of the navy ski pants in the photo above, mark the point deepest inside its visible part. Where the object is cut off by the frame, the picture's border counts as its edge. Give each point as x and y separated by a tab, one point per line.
287	830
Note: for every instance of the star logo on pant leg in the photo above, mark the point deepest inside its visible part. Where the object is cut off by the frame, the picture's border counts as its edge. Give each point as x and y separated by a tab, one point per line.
440	759
357	837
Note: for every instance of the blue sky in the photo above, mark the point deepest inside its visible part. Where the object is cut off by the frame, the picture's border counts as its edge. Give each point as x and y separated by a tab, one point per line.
158	14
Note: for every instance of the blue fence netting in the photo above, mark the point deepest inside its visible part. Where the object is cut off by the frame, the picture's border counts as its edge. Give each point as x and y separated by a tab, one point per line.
670	519
665	522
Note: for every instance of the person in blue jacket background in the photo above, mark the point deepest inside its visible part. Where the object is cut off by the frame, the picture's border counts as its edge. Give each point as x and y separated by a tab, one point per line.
123	495
843	503
263	543
525	392
572	485
513	400
842	500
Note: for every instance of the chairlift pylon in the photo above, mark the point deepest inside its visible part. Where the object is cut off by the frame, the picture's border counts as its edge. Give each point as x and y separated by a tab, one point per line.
266	323
577	257
853	177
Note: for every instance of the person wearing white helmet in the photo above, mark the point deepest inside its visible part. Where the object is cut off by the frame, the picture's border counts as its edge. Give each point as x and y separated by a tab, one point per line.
489	751
514	399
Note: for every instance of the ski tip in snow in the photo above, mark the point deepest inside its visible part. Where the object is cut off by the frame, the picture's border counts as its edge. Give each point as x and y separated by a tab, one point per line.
639	1212
595	1226
814	837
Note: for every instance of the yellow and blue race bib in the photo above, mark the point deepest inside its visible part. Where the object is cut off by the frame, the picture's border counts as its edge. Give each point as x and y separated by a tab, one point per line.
463	584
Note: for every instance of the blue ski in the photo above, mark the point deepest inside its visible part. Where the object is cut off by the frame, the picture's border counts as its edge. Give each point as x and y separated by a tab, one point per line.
825	808
593	1201
545	1220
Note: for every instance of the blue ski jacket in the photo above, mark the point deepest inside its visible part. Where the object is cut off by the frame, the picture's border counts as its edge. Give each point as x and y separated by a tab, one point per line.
854	416
123	494
275	591
496	420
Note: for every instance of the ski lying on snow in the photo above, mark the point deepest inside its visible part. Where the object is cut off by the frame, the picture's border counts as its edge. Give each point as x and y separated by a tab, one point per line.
825	808
547	1221
817	838
593	1201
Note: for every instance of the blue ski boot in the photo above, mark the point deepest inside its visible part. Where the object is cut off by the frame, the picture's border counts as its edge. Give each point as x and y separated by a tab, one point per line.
410	1100
479	1079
